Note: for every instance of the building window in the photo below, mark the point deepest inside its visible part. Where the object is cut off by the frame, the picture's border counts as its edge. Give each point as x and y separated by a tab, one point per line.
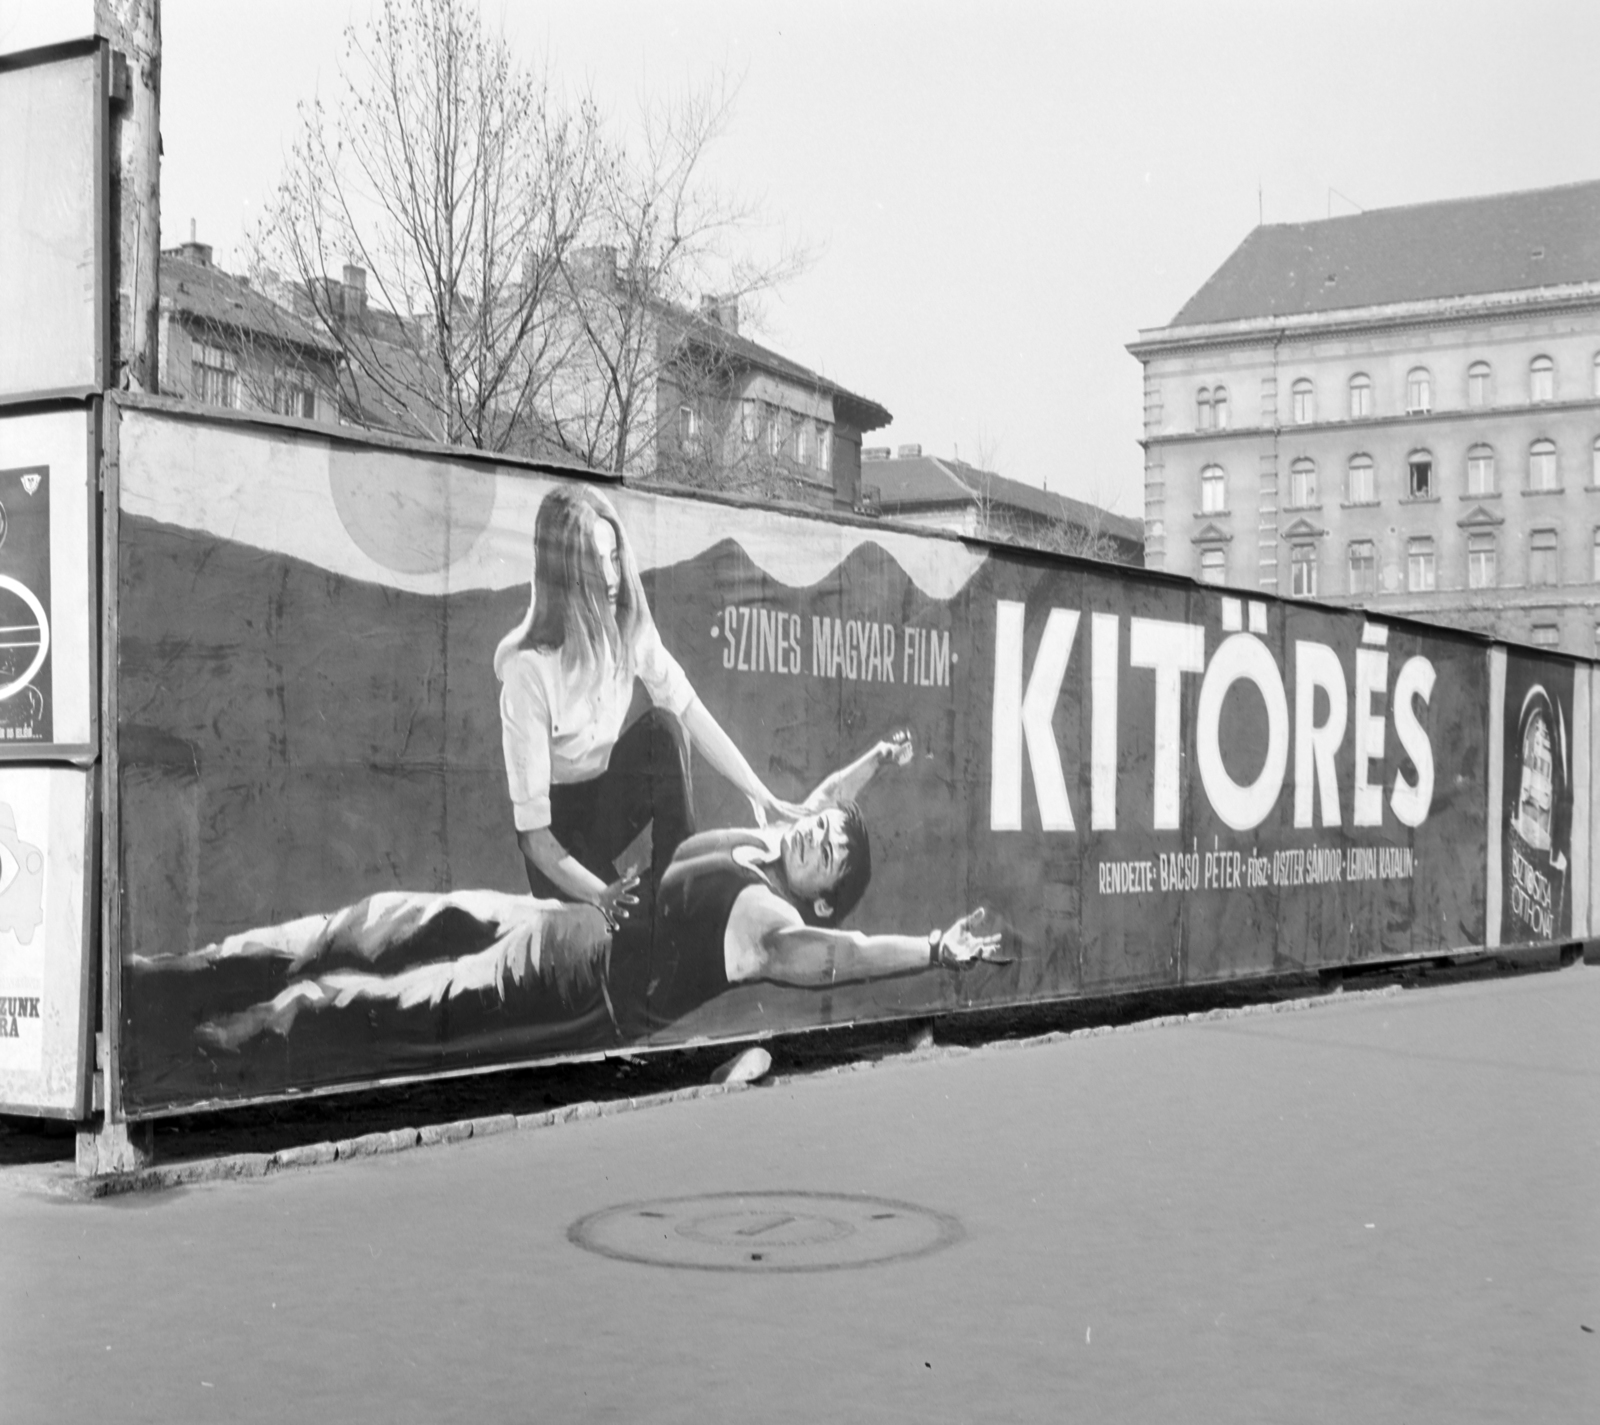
1303	571
1544	557
1303	402
1546	635
1541	379
1542	472
804	441
749	421
1478	384
1360	395
1419	565
824	449
215	376
1303	483
1480	561
1419	475
1202	408
1219	407
1363	567
775	433
1213	565
1419	391
1213	490
688	427
290	398
1362	486
1480	470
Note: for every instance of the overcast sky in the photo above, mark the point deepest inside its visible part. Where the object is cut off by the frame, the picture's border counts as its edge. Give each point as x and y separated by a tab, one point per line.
1000	196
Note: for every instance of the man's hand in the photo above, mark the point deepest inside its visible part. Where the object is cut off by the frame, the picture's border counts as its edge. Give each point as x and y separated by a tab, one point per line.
964	943
617	899
777	809
896	748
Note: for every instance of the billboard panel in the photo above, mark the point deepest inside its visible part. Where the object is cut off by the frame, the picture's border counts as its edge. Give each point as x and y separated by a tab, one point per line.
47	586
427	765
46	822
52	226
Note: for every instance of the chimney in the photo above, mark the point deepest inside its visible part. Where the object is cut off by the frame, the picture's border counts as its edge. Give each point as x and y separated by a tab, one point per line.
722	312
909	452
355	290
196	252
875	452
595	267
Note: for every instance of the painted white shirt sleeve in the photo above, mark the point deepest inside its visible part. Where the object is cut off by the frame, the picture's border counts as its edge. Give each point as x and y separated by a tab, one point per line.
664	680
525	740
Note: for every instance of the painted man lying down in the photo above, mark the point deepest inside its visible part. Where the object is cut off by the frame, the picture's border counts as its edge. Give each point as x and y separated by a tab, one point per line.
733	906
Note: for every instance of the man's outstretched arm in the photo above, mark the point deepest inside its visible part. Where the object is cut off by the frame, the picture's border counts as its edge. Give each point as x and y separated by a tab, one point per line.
848	782
816	956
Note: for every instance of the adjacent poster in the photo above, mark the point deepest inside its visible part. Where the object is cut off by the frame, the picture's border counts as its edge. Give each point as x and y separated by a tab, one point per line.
1538	799
52	226
48	606
427	765
46	918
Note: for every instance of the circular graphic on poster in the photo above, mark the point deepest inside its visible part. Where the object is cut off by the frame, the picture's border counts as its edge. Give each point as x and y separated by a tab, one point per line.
24	636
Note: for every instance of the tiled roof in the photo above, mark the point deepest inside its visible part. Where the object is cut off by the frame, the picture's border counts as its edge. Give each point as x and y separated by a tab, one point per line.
867	413
926	482
1509	242
213	296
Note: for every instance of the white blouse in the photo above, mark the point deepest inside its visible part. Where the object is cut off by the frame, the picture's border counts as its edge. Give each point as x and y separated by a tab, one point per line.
559	727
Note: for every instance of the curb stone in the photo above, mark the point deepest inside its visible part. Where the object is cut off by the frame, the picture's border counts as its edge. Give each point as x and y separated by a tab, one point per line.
237	1166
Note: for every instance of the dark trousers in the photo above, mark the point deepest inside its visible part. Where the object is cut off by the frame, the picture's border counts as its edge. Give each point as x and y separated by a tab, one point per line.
646	784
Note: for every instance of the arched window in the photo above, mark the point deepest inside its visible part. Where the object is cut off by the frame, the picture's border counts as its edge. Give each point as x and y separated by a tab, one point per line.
1419	475
1360	395
1478	375
1213	490
1202	408
1219	407
1419	391
1303	404
1542	471
1213	565
1361	488
1541	379
1480	470
1303	483
1481	573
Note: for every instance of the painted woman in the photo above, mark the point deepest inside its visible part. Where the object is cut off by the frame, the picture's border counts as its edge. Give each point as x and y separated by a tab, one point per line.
582	788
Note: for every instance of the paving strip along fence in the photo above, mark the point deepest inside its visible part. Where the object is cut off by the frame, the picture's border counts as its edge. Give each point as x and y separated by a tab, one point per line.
342	730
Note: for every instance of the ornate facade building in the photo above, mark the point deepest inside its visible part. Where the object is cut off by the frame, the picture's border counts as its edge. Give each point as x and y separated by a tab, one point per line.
1398	409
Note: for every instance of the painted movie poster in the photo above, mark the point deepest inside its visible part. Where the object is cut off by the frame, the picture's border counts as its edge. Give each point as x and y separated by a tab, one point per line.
465	767
25	669
1538	799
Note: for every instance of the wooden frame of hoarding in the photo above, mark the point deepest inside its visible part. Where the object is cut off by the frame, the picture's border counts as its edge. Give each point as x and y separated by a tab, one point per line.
100	51
1493	651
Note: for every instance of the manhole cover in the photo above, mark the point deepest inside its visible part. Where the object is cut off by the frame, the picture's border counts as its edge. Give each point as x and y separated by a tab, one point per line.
765	1231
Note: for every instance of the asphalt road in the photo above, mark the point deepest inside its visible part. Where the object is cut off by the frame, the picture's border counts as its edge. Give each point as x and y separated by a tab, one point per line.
1380	1208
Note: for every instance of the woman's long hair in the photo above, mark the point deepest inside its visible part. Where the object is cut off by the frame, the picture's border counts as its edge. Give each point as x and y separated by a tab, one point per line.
569	610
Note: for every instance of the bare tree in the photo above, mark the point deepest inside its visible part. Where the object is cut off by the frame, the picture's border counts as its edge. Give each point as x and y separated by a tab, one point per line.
660	231
424	221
